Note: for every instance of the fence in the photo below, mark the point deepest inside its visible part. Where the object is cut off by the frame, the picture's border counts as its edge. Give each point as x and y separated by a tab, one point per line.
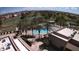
4	33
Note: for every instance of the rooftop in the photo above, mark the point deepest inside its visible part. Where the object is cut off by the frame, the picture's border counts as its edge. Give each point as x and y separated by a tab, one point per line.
8	43
66	32
5	44
76	36
60	37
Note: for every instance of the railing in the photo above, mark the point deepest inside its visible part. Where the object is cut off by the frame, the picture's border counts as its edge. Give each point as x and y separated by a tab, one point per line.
25	44
4	33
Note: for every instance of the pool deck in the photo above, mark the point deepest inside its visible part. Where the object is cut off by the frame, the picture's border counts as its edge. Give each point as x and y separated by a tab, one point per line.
35	46
22	45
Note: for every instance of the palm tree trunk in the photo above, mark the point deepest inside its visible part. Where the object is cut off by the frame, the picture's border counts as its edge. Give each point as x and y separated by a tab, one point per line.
47	27
39	32
32	31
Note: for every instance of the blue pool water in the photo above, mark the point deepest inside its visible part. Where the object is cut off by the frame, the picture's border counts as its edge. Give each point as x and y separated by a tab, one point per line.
42	31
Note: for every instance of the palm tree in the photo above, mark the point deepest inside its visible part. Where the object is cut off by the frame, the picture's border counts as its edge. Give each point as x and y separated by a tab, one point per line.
33	24
38	28
47	25
22	24
77	26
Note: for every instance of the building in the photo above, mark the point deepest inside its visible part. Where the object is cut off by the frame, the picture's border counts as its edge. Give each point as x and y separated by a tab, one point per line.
73	44
62	39
8	43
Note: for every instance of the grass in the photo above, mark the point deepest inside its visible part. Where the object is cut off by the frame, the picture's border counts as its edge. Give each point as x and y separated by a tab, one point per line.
11	21
9	24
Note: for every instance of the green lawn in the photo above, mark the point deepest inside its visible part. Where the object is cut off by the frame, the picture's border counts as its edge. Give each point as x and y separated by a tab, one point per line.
9	24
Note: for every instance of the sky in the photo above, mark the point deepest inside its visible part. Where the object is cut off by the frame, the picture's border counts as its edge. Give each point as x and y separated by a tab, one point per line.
4	10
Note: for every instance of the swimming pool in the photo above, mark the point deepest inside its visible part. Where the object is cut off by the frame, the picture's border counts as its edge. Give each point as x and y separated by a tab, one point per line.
42	31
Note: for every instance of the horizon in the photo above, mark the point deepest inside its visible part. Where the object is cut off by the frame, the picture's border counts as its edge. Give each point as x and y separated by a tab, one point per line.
5	10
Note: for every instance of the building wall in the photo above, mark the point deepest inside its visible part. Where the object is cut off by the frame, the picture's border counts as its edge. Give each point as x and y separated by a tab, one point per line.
72	47
59	43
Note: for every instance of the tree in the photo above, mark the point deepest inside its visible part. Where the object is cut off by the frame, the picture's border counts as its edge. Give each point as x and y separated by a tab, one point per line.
77	22
22	24
0	23
23	15
38	28
45	43
60	20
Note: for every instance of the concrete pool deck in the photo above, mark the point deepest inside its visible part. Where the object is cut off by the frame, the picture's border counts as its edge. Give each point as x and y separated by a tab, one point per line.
35	46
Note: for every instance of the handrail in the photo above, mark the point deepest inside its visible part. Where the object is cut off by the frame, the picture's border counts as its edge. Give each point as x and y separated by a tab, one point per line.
25	44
